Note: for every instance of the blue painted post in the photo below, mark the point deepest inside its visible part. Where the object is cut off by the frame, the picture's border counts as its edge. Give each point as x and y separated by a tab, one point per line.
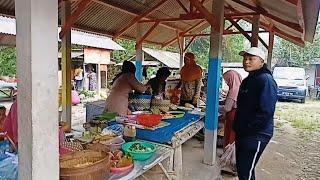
139	54
212	105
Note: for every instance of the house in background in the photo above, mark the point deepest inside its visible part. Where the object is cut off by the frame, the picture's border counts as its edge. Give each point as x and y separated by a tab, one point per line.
313	72
95	50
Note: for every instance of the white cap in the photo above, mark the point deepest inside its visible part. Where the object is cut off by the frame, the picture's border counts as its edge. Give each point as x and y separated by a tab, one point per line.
254	51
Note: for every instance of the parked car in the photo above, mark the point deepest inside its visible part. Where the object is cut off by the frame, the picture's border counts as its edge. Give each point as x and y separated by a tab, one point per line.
292	83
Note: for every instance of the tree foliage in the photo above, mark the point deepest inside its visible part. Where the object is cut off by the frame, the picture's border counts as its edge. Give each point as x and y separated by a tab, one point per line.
289	54
8	62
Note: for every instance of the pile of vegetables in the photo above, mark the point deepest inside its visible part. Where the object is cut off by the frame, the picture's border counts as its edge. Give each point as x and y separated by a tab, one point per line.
137	147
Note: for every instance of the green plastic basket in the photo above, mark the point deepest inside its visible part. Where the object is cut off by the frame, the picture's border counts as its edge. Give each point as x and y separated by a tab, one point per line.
139	156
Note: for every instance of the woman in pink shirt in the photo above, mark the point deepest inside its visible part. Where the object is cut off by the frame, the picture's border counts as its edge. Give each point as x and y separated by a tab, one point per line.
233	80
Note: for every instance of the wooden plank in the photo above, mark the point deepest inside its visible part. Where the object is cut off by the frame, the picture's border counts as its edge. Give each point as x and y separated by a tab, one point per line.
262	42
83	4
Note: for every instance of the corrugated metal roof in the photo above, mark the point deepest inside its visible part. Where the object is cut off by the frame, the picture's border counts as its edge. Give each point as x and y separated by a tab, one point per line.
144	63
109	17
170	59
8	32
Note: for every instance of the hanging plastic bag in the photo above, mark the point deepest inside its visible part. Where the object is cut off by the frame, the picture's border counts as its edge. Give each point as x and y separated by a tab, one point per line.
228	158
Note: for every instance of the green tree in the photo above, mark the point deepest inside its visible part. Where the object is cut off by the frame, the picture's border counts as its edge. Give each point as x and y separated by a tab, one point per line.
289	54
8	61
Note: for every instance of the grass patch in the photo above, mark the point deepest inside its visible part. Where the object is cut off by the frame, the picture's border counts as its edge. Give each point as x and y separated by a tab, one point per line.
302	116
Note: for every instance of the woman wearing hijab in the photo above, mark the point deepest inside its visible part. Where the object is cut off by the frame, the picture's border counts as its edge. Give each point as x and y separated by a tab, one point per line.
191	81
233	80
122	85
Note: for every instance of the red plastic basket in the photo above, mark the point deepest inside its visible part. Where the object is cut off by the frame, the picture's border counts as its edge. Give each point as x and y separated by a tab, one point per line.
149	120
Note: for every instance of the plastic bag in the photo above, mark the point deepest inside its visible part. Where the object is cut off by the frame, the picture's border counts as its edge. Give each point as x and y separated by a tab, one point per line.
228	158
9	167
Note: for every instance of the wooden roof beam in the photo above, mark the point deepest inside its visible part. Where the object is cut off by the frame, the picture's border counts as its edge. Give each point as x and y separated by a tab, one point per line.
147	34
240	15
188	30
83	4
183	7
189	44
294	2
262	11
138	18
235	24
280	33
207	15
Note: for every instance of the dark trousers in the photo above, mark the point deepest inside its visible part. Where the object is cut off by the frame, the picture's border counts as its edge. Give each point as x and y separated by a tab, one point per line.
78	85
248	152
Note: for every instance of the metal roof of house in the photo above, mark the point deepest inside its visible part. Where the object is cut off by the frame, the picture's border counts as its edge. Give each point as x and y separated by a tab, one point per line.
294	20
170	59
144	63
8	32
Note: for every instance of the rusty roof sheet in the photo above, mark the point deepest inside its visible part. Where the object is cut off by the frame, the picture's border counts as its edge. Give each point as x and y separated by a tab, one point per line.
108	17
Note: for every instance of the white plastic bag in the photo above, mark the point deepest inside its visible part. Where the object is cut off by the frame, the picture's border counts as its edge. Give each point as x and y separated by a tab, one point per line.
228	158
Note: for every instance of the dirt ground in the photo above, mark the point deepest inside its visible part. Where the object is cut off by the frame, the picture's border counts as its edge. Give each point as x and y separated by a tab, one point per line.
293	153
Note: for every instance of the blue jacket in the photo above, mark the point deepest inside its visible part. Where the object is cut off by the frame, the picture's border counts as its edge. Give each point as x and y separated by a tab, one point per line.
256	105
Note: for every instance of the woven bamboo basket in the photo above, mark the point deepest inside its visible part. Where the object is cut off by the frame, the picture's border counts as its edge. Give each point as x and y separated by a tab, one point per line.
85	165
160	104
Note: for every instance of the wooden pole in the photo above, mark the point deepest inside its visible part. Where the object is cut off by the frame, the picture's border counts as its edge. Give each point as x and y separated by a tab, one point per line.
139	53
66	64
270	49
215	56
255	30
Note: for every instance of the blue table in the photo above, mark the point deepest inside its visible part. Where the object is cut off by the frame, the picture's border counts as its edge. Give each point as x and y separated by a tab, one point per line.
165	134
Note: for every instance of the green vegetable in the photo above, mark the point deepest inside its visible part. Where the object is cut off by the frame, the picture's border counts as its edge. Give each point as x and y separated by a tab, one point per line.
137	147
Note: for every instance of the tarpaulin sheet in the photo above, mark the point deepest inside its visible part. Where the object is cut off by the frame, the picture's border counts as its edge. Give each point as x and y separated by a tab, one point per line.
165	134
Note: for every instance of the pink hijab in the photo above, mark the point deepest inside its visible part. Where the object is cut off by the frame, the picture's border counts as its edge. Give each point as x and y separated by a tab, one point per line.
233	80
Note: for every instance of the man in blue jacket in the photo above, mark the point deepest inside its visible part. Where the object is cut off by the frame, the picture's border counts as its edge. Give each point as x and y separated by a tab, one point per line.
256	103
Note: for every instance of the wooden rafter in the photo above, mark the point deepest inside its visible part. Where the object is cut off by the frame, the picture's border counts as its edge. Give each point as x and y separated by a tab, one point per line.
187	31
240	15
226	32
235	24
183	7
138	18
262	42
83	4
147	33
183	17
189	44
294	2
280	33
207	15
262	11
